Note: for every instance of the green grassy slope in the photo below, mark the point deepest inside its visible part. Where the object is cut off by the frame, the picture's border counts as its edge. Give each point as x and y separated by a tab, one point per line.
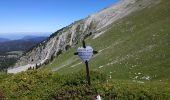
135	47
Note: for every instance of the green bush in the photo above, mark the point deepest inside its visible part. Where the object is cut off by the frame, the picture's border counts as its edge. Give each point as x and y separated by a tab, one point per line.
44	84
35	84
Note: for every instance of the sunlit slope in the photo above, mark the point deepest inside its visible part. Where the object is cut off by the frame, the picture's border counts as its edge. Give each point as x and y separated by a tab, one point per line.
135	47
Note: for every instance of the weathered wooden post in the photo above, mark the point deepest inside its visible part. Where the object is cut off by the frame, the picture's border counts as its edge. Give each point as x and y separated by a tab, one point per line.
86	53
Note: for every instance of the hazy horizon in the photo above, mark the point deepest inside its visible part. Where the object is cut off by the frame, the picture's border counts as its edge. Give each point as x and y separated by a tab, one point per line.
20	35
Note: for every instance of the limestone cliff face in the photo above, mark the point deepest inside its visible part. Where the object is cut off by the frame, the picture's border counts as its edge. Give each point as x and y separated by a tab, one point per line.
94	25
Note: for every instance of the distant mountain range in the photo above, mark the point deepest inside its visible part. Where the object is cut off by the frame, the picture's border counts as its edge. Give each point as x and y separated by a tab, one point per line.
4	40
34	38
23	44
16	36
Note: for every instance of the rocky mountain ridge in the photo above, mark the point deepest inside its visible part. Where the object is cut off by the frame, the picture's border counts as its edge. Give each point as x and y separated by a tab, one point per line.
92	26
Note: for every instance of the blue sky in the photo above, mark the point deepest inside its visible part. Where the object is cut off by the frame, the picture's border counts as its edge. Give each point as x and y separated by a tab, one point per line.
45	15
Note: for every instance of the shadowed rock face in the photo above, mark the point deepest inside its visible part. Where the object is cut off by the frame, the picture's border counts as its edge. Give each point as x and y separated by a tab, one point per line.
96	24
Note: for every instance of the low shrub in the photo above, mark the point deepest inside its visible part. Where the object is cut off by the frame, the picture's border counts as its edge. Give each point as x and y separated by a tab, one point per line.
44	84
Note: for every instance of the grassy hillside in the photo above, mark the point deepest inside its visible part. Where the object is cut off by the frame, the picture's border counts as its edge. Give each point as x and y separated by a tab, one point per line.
135	47
133	63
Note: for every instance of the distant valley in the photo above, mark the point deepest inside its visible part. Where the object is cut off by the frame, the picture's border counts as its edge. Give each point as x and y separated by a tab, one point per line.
11	50
20	45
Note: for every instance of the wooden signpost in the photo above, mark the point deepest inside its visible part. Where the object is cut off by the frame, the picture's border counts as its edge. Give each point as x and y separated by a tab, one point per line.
86	53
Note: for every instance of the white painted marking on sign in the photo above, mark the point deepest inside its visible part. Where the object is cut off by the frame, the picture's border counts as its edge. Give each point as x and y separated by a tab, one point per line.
85	53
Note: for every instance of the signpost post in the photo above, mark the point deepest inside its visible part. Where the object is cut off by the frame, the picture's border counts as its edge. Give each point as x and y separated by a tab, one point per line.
86	53
88	72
